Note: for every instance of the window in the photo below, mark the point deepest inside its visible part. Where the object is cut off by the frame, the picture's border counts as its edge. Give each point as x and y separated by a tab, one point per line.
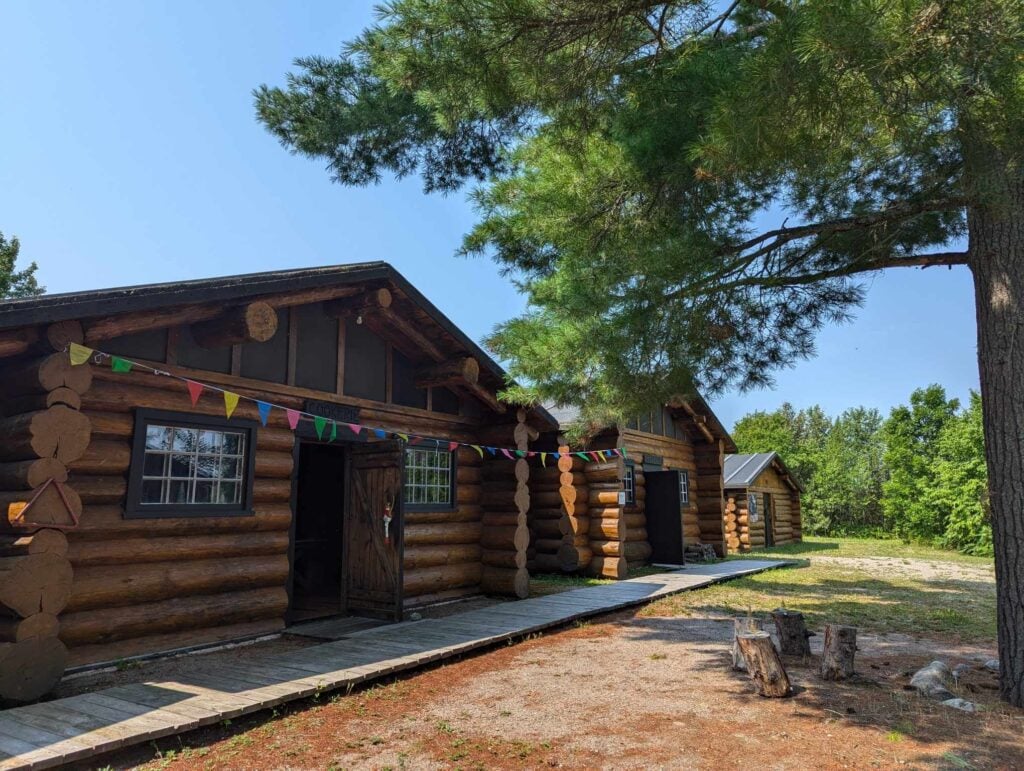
429	478
684	486
629	484
190	465
752	506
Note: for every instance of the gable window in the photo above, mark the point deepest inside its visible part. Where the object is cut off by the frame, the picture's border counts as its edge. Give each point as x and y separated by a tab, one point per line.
684	486
187	465
429	478
629	484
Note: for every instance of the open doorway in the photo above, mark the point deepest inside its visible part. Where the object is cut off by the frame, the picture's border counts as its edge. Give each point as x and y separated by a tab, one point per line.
318	540
769	520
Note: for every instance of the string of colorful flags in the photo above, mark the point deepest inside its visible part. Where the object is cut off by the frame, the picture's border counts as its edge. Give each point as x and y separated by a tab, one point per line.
325	428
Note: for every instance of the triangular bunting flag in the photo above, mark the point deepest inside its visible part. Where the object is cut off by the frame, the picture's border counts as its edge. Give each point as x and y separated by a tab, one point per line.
492	450
230	402
596	456
477	447
117	364
453	446
264	410
556	455
520	453
293	418
334	431
582	455
543	459
403	437
319	423
622	452
506	453
79	353
355	428
194	390
380	433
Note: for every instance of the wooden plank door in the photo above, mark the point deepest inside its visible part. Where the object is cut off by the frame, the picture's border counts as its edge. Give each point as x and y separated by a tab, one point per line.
769	520
664	511
373	565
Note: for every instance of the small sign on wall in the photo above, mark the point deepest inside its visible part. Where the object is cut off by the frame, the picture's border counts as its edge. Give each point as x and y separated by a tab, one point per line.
622	497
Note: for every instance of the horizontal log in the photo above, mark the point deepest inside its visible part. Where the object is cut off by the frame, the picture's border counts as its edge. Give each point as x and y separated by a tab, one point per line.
461	514
15	405
605	512
446	554
507	582
14	342
552	477
420	581
545	563
46	374
636	519
116	652
607	548
637	551
467	475
254	322
546	528
547	545
461	369
504	559
50	507
556	498
100	523
608	567
36	583
606	498
608	529
27	474
94	627
58	432
505	538
442	533
99	489
468	494
31	668
570	525
35	627
501	519
110	586
636	534
572	558
130	551
605	471
271	490
46	541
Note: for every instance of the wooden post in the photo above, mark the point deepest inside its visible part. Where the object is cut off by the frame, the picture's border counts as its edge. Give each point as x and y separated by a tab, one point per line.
764	665
793	632
840	647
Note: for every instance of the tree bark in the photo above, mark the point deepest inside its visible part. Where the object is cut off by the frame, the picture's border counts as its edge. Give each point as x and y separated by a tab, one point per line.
840	649
793	634
763	664
996	258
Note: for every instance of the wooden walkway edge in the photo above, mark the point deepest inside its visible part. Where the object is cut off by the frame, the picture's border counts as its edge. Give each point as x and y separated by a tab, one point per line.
79	727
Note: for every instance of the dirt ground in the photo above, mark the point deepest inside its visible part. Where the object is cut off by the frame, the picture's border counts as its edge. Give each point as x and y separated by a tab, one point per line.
897	567
622	692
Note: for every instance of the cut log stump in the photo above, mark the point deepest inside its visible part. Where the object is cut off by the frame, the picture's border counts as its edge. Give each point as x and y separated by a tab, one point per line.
764	665
793	634
31	668
840	647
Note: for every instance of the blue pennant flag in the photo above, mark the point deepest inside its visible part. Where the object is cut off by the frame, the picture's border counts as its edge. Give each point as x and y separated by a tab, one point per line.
264	410
381	433
492	450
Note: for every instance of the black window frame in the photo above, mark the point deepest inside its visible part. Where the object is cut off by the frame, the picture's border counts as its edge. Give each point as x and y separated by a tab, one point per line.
135	509
629	483
452	504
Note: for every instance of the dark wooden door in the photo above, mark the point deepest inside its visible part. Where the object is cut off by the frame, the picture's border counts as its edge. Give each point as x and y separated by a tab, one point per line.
373	564
664	516
769	520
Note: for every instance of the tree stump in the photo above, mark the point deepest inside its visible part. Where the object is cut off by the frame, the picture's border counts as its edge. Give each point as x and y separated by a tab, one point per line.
763	664
840	647
792	631
740	626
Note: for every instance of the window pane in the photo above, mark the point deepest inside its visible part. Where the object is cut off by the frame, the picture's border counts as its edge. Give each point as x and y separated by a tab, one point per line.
158	438
229	492
181	466
184	439
204	492
152	491
177	492
153	465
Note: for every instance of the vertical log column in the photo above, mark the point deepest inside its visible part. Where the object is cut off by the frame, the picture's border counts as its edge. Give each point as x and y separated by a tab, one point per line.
732	526
42	432
547	509
505	529
574	552
608	527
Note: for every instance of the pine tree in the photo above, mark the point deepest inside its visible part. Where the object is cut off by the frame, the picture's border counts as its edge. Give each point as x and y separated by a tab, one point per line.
15	283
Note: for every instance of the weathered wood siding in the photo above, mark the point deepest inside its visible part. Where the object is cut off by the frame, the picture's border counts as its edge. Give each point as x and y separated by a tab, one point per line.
786	504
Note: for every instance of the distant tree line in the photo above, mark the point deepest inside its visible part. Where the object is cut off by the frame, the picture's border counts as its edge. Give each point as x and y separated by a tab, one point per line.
918	474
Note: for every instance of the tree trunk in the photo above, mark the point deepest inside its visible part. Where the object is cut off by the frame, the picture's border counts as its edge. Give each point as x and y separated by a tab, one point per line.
996	257
793	634
763	664
840	649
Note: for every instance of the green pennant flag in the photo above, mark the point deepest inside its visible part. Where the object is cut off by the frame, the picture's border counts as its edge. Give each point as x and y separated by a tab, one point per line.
334	431
117	364
319	424
582	455
520	453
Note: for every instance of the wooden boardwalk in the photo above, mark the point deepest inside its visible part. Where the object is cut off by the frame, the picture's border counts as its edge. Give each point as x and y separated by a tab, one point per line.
78	727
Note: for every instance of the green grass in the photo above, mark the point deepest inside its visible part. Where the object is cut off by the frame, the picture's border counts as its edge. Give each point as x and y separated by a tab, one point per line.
551	583
878	600
816	546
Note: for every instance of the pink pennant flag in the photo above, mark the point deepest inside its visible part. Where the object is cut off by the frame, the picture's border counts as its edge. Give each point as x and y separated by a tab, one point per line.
507	454
453	446
596	456
194	390
355	428
293	418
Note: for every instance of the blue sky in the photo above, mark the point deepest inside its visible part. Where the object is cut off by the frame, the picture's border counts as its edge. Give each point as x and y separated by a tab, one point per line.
129	154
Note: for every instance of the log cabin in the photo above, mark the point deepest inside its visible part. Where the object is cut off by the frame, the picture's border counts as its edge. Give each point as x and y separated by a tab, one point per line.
139	517
604	517
762	502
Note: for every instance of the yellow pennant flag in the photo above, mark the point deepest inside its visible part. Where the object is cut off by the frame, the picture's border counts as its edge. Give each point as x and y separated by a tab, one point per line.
79	353
403	437
230	402
477	448
543	459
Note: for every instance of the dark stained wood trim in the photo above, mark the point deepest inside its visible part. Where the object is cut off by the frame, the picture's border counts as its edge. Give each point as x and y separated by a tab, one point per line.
389	373
340	389
173	337
236	360
293	347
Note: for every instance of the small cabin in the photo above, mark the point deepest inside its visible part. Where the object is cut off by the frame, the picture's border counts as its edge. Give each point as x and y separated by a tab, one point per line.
603	517
207	461
762	502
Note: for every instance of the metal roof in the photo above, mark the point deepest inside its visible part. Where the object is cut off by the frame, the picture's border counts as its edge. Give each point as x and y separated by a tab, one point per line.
47	309
741	470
